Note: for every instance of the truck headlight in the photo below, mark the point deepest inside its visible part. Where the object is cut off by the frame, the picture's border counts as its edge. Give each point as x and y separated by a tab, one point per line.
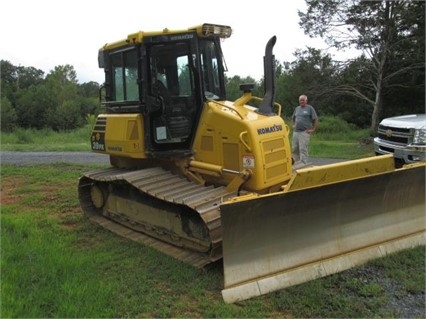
420	136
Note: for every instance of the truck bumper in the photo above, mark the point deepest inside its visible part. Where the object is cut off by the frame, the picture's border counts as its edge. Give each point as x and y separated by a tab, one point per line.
409	154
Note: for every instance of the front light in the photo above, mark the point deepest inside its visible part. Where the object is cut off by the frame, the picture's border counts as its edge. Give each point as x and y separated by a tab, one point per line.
420	136
222	31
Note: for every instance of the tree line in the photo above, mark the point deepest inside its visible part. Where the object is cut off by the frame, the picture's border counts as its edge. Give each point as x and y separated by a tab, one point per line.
57	101
387	79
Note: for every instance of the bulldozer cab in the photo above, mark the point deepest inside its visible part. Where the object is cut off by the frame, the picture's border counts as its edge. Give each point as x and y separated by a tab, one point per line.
167	77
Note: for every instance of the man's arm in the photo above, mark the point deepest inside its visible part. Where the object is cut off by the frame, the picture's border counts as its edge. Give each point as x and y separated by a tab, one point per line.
314	126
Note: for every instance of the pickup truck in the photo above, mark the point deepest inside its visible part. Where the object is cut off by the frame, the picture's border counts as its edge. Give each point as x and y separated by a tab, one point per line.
404	136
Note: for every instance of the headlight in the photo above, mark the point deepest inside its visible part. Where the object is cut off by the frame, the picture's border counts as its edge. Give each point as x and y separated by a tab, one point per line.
420	136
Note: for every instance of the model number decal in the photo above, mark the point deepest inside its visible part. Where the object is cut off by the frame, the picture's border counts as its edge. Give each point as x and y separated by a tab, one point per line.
98	141
98	146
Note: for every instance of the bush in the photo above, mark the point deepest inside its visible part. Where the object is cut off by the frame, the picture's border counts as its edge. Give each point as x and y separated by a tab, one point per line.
66	117
24	136
8	115
334	128
333	125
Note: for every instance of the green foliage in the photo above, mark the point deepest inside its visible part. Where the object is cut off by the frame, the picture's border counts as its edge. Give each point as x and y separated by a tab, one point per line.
233	91
88	105
46	140
88	89
90	123
8	115
33	106
91	120
336	138
56	101
333	125
17	78
24	136
66	116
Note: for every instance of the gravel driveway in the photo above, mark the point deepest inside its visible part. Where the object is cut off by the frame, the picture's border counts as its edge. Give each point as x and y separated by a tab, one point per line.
25	158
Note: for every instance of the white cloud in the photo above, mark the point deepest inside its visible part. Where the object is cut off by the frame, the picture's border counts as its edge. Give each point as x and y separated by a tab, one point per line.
44	33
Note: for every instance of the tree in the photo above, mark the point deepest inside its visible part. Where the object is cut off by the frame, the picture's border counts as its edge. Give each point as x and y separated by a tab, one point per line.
17	78
62	86
62	82
88	99
312	73
233	91
88	89
346	103
33	106
8	115
28	76
8	77
66	116
383	30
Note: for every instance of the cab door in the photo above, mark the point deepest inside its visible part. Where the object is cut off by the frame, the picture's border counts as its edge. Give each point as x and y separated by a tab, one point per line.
173	104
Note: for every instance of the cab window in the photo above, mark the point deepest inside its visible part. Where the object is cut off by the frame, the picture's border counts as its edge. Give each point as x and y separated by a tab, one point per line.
125	75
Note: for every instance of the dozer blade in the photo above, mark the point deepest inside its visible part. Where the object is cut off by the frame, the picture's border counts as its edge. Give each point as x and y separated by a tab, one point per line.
280	240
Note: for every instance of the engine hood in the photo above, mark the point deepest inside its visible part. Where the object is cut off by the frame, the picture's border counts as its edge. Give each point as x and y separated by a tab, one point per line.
415	121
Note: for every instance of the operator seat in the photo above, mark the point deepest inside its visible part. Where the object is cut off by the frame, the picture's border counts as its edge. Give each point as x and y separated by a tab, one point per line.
178	123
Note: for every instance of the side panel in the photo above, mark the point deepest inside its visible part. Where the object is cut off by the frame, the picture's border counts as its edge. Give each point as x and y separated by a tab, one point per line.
238	139
119	134
282	240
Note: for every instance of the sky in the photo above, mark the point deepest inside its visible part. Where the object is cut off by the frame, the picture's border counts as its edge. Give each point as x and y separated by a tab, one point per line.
45	33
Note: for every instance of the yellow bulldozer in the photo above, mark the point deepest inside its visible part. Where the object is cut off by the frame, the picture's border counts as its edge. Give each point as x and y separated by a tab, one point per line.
202	178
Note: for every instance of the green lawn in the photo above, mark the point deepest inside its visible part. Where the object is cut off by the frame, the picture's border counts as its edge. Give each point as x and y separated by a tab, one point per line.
55	263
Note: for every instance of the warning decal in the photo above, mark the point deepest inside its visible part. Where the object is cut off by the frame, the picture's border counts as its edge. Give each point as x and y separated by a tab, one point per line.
248	161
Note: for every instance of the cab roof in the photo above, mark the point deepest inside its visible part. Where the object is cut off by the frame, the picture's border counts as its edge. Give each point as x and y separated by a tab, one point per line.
203	30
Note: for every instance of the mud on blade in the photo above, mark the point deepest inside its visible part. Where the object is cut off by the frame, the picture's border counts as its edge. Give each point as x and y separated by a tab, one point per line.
281	240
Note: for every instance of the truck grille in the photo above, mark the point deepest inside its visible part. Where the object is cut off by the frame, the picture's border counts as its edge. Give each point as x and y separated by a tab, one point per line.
395	134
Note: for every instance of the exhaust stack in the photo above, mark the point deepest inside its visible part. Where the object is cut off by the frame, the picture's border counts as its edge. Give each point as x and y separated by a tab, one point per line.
265	107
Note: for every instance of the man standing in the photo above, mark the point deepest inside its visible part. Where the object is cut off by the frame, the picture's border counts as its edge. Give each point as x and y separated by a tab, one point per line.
305	121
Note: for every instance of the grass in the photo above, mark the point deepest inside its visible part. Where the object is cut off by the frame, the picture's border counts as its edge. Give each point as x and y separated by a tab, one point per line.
319	147
54	263
46	140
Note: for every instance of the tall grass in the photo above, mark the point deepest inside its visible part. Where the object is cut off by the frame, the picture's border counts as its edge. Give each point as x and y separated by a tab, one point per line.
46	140
335	138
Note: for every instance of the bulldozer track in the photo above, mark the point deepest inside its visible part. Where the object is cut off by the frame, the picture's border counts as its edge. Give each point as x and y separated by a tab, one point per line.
169	188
